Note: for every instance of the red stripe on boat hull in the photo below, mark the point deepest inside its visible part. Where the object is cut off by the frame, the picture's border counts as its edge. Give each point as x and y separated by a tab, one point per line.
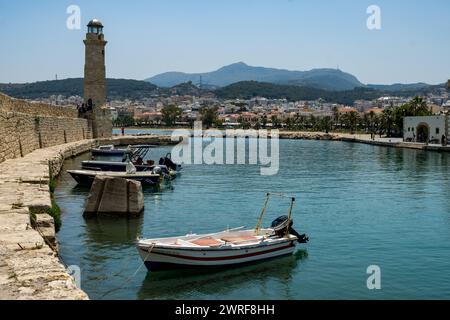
242	256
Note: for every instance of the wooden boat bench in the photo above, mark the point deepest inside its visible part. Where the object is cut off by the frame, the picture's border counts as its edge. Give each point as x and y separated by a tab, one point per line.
207	242
240	239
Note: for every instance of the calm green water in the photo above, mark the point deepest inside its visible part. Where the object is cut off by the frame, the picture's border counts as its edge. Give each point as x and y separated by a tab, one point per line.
360	204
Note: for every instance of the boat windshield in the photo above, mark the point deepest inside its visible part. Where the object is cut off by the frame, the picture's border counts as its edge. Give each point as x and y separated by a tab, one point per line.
109	147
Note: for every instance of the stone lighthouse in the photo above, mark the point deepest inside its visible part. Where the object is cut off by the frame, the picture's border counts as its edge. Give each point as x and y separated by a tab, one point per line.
98	114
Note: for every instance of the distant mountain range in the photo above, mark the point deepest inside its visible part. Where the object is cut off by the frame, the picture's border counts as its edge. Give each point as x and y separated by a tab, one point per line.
250	89
325	79
117	88
135	89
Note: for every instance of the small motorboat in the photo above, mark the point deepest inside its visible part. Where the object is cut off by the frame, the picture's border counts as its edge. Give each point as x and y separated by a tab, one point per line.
165	164
134	154
225	248
87	177
115	166
109	150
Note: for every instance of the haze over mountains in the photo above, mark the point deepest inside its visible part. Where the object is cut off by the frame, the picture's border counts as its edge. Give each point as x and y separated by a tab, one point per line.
234	81
325	79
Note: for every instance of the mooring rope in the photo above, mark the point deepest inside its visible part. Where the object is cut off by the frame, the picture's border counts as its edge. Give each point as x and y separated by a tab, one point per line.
132	276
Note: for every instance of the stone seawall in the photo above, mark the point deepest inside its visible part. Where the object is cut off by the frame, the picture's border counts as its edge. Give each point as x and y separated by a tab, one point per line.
151	139
29	268
398	144
10	104
25	127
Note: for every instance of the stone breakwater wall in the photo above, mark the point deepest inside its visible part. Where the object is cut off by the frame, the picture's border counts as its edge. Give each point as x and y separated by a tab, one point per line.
151	139
399	144
26	126
8	103
309	135
29	268
296	135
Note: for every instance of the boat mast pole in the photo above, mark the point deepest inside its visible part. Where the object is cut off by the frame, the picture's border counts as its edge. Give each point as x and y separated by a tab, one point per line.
258	225
289	216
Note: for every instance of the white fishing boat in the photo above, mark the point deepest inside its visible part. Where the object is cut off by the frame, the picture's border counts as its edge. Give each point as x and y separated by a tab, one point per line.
225	248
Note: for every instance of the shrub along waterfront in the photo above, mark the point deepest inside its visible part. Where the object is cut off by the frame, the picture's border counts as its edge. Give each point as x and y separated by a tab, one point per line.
389	122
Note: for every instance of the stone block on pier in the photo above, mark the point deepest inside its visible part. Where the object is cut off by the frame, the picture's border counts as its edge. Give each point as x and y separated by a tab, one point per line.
114	196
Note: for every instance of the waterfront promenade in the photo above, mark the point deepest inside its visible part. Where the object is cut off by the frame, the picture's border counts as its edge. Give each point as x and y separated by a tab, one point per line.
392	142
311	135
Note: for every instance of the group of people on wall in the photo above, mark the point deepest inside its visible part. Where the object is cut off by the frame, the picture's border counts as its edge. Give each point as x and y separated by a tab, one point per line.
85	108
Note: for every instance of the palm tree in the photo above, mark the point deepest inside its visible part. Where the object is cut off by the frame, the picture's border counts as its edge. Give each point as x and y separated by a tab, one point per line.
275	122
353	121
299	121
335	116
312	121
418	107
325	123
387	120
372	121
366	122
264	121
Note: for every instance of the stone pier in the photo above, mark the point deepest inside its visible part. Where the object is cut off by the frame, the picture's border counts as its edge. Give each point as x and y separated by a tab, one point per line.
29	265
29	268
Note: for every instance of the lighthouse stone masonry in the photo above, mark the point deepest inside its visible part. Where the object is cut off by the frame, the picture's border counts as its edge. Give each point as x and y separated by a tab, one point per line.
99	117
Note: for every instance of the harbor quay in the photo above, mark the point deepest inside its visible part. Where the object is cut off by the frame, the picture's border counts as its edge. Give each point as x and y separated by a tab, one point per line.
29	264
393	142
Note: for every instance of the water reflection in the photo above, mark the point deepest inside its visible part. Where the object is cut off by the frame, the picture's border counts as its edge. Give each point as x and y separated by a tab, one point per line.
189	283
105	231
363	204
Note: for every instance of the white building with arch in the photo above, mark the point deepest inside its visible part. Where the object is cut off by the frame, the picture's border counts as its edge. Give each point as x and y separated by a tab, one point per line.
428	129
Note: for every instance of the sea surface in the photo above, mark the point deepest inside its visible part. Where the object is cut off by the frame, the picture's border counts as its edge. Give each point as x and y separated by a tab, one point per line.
361	205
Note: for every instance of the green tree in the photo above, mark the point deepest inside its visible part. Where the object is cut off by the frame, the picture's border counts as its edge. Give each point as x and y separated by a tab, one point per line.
257	125
336	116
387	120
209	116
290	124
414	108
373	122
264	122
245	124
418	107
299	121
275	122
350	120
171	114
325	124
312	122
124	121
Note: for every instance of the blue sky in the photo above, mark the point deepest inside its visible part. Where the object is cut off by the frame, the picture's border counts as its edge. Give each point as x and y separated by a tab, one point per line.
154	36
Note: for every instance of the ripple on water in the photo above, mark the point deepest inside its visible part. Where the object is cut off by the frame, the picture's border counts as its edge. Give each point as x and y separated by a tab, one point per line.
360	204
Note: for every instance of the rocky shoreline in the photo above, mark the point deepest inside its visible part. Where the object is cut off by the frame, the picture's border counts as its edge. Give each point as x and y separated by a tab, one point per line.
304	135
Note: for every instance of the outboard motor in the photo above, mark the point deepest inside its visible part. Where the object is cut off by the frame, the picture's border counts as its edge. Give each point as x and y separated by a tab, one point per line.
280	225
157	170
168	163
